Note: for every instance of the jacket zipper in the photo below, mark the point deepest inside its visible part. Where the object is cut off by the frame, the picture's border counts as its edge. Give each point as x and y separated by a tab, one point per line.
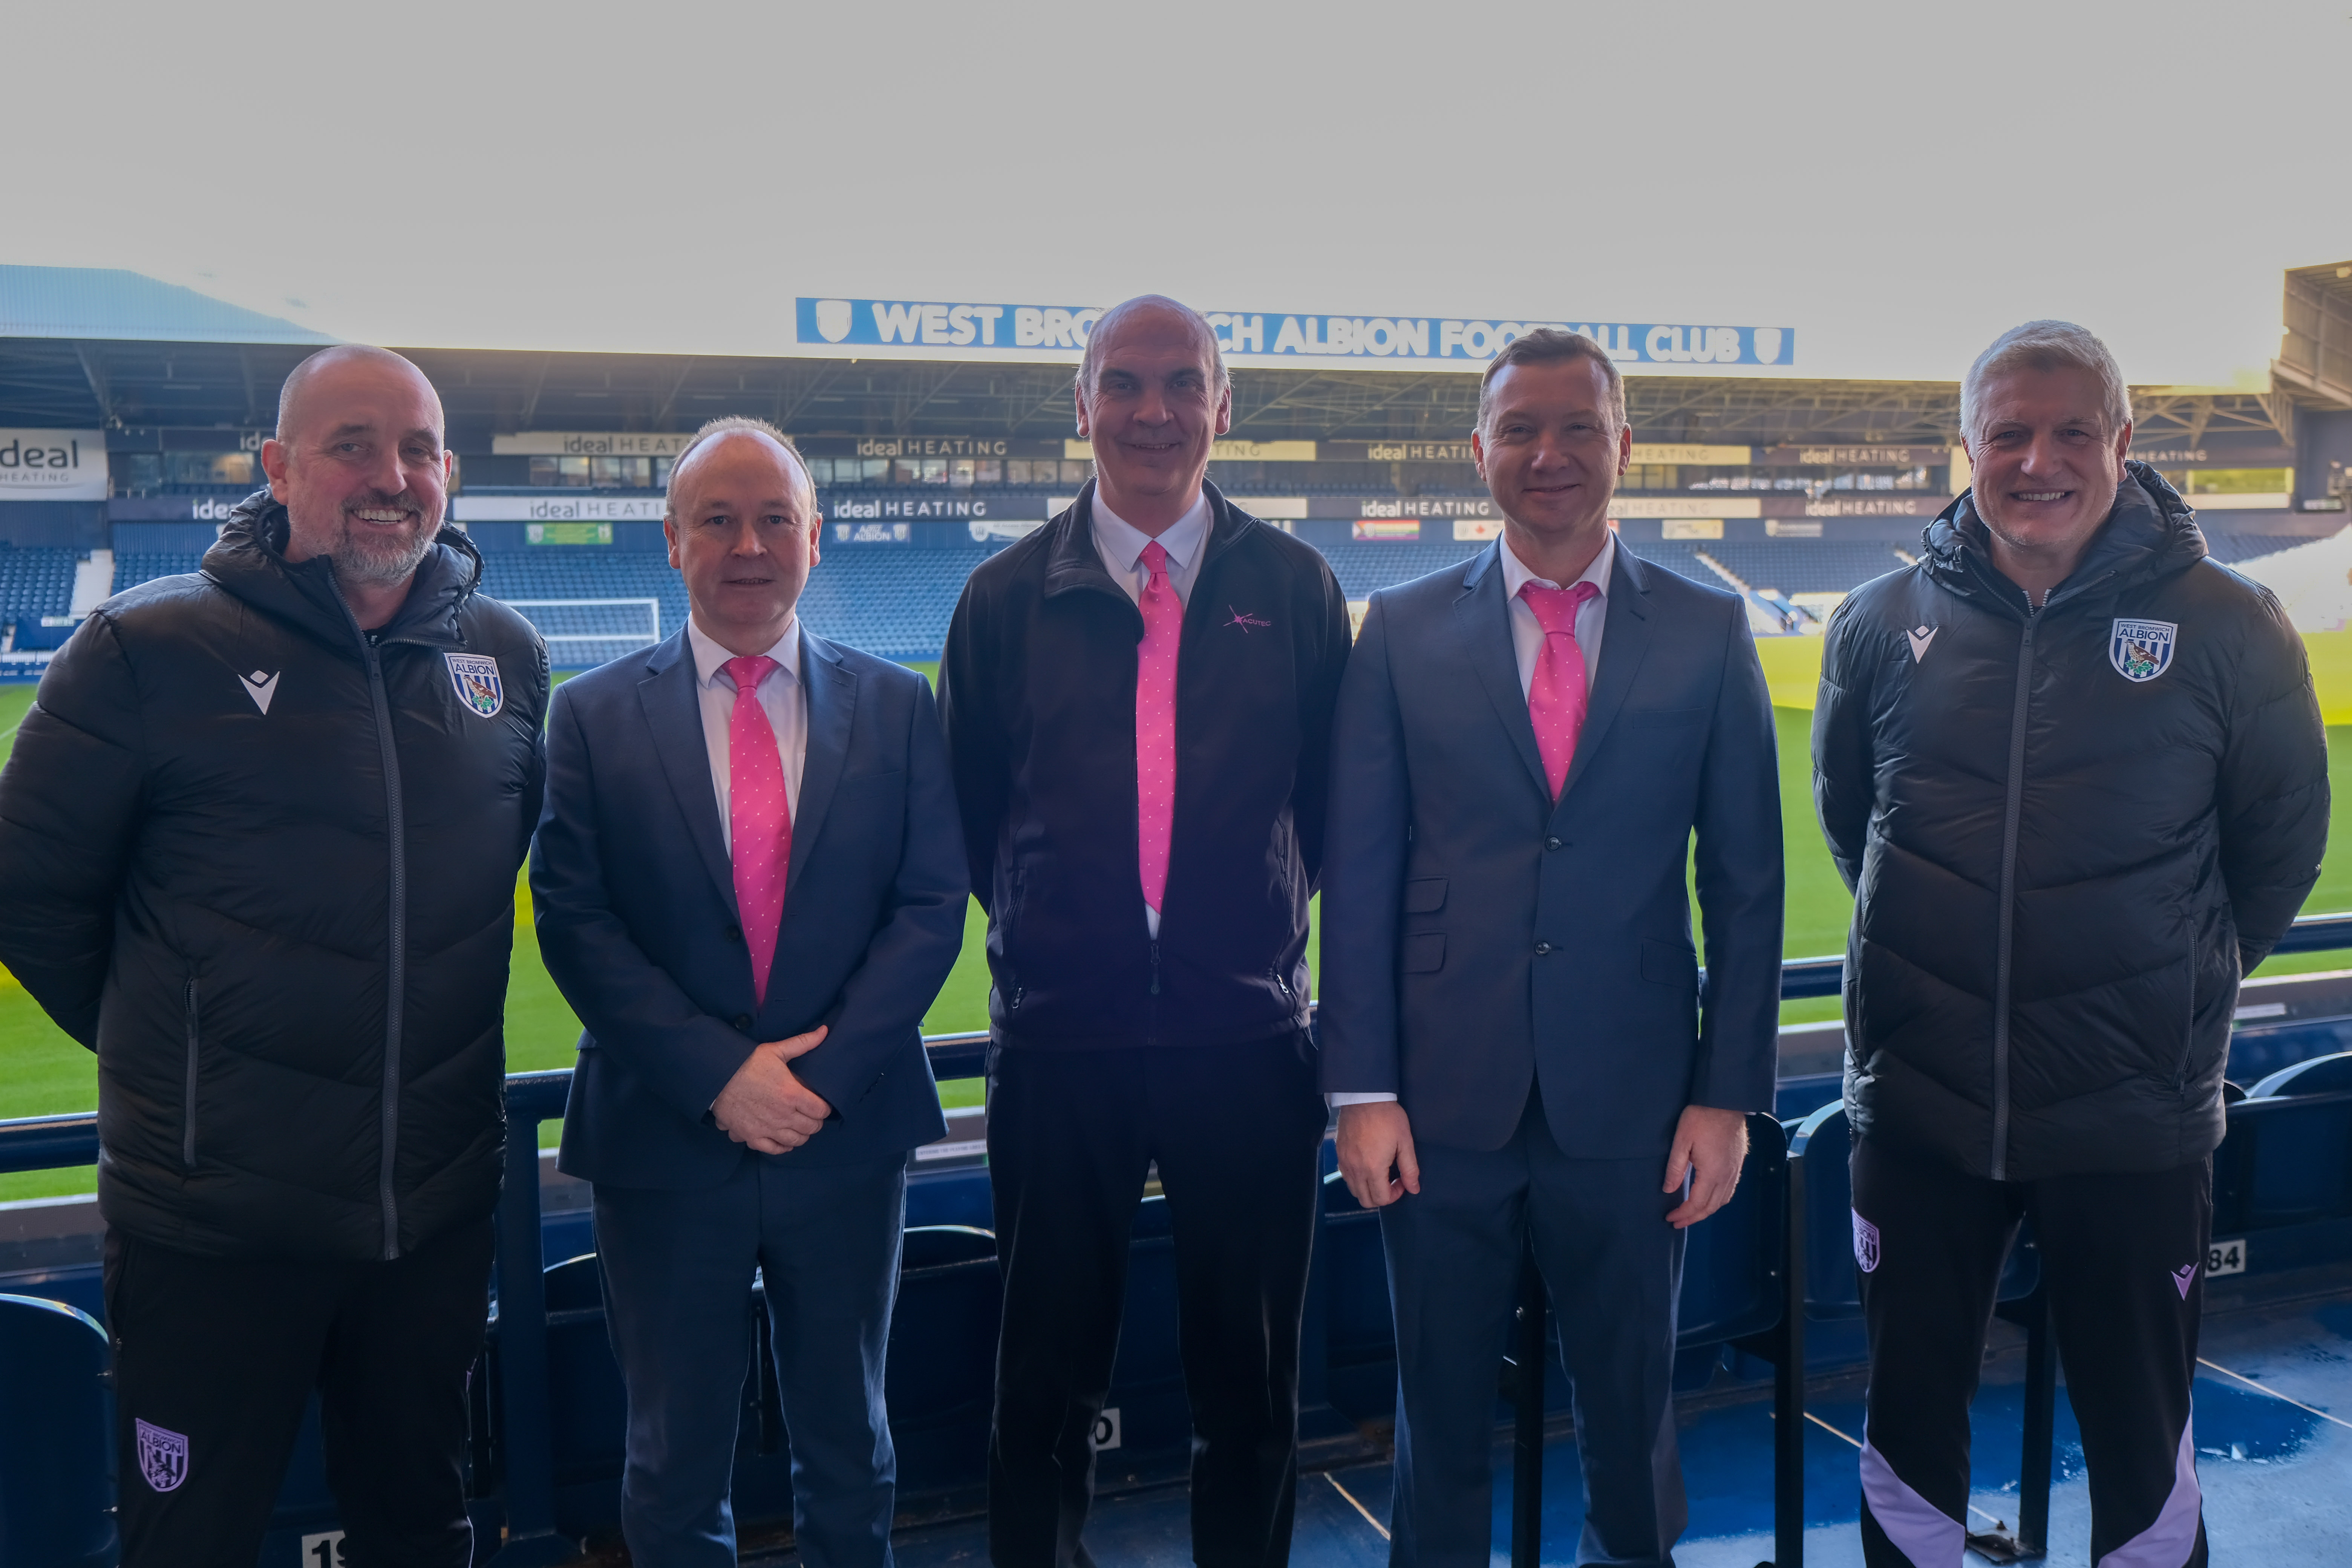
396	979
188	1115
2010	819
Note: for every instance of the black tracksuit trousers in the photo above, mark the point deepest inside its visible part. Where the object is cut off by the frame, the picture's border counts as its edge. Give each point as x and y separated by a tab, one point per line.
2122	1257
215	1359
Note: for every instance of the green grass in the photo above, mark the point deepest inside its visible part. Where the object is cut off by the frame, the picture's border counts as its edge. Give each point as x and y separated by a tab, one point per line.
43	1073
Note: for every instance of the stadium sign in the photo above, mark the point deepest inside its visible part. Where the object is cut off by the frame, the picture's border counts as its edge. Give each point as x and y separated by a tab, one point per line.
53	464
946	330
557	508
590	443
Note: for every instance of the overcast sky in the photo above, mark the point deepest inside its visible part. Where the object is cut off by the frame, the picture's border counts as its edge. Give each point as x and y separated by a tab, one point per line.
1896	183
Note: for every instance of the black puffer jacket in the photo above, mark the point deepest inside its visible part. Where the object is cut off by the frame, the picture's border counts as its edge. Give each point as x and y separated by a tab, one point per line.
2069	836
280	908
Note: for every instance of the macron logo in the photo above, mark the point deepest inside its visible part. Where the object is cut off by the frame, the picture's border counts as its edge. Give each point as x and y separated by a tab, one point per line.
260	688
1920	638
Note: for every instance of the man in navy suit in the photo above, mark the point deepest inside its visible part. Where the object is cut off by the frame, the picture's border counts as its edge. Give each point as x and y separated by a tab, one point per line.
1514	1026
750	884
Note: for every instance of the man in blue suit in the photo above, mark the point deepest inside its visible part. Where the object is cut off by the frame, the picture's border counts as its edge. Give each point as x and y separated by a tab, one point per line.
1514	1026
750	884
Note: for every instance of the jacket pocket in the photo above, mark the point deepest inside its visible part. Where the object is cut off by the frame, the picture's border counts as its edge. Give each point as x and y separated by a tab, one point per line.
1422	952
1424	894
188	1092
1669	963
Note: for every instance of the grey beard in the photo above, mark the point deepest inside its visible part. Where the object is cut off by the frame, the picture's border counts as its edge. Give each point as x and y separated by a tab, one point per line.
383	567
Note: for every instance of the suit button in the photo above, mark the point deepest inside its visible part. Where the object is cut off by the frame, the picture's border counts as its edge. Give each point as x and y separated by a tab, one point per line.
1543	950
1552	843
734	933
741	1020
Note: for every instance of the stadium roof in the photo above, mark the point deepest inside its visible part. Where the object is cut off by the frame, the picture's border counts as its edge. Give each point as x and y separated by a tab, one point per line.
108	303
97	347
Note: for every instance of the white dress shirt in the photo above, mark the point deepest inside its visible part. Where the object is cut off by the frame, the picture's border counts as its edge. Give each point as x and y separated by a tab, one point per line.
1591	616
1120	545
780	696
1527	643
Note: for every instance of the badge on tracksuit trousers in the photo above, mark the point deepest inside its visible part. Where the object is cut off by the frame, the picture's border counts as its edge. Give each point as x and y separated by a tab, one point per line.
2120	1255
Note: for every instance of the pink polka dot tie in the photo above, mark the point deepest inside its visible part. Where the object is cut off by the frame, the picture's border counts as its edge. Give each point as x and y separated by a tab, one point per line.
1557	696
759	818
1155	724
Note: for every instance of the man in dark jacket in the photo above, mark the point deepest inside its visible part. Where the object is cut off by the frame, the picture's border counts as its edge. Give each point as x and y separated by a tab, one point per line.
2075	772
259	842
1138	703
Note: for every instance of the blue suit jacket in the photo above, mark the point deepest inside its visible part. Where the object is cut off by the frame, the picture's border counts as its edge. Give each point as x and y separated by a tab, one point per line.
635	901
1476	936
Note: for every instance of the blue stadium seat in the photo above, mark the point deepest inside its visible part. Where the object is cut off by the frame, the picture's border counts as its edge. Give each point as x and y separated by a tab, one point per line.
2330	1074
56	1445
34	581
941	1381
133	567
1823	1146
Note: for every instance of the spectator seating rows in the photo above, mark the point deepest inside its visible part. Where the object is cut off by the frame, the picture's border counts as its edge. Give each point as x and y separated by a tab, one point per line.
34	583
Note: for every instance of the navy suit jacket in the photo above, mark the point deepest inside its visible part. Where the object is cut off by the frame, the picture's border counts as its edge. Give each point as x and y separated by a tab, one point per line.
1476	936
635	902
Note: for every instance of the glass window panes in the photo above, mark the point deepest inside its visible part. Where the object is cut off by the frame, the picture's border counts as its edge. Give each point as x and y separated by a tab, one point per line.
988	471
959	471
904	471
1075	473
820	471
1016	471
935	471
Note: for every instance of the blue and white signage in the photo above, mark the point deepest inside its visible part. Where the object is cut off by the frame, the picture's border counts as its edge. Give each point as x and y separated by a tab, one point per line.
957	329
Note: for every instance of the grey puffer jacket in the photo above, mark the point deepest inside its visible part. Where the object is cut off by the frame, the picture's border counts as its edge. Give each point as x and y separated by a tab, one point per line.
2070	831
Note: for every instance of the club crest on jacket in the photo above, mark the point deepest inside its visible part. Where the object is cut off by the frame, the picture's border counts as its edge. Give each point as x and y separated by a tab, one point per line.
476	676
2142	650
162	1457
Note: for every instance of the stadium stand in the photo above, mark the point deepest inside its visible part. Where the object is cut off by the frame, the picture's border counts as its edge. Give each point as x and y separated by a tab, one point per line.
1805	565
132	568
34	583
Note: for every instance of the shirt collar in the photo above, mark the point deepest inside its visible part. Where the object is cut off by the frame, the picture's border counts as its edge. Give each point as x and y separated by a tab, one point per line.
1515	575
710	659
1124	542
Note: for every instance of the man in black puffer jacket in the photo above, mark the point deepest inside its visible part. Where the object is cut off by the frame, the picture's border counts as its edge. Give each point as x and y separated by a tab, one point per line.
259	842
2075	772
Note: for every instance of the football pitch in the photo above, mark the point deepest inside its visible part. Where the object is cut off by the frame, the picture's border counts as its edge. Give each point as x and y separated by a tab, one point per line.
44	1073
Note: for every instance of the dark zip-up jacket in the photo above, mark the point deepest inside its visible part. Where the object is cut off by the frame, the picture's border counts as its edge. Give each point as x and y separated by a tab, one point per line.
2070	832
1037	699
263	864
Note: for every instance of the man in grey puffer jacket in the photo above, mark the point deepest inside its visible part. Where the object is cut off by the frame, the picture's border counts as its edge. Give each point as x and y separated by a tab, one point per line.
2073	771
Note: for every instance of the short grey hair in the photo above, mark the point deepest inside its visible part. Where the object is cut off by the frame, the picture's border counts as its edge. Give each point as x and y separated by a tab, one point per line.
1091	362
727	425
2046	345
1548	345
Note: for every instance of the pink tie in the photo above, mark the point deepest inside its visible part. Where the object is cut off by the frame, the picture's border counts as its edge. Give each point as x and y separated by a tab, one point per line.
1155	724
1557	696
759	818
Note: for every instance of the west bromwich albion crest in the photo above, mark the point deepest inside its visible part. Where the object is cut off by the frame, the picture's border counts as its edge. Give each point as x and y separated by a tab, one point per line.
476	676
2142	650
162	1457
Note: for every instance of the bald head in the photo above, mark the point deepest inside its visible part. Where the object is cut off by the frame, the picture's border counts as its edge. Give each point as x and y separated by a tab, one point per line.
325	376
735	429
1153	313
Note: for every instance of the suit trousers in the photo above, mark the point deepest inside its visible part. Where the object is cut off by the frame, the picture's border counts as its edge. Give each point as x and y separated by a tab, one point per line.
1612	1267
1237	1132
216	1358
678	1268
2122	1255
